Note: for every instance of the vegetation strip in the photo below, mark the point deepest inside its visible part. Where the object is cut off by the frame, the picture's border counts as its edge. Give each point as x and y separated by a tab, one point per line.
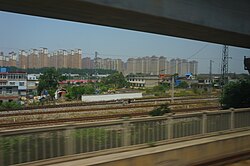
101	103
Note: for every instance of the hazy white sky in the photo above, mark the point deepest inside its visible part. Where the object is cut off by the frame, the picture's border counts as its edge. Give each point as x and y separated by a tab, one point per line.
27	32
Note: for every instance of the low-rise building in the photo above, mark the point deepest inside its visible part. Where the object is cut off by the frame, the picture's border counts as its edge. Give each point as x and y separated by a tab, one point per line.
8	93
32	83
201	84
12	85
143	81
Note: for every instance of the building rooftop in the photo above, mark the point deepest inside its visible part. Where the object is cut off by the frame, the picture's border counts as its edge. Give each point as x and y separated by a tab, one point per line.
16	72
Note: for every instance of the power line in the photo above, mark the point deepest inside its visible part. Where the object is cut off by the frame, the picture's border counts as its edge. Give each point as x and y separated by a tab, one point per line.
197	52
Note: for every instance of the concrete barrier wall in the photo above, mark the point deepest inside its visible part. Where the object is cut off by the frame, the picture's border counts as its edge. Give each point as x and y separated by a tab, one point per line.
183	153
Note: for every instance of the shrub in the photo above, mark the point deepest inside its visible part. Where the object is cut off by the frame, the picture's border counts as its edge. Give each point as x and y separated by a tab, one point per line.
10	105
236	94
159	111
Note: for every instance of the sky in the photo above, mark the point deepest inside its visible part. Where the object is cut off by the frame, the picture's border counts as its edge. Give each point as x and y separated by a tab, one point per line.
27	32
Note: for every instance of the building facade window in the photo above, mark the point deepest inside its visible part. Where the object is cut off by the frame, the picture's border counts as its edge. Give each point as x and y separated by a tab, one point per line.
8	90
21	83
12	83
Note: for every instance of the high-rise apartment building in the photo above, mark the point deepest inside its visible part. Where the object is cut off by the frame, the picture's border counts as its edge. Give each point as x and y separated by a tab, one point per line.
131	63
154	65
77	60
182	66
163	65
107	63
52	59
147	65
33	59
60	59
12	59
160	65
73	59
138	65
87	63
173	66
43	58
8	60
193	65
23	59
118	65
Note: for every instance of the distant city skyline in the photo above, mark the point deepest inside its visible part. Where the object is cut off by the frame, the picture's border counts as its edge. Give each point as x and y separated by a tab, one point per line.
26	32
40	58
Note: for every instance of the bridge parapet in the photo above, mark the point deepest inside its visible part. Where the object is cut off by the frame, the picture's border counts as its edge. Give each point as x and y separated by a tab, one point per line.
26	145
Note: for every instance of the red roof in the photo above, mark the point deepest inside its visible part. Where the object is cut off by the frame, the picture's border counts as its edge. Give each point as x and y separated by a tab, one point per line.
76	81
9	97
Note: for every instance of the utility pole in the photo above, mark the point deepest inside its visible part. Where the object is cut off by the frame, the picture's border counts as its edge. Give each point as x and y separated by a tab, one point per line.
172	93
224	66
210	74
96	64
210	70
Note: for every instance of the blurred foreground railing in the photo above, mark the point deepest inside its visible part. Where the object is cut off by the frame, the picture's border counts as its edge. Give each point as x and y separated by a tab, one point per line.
25	145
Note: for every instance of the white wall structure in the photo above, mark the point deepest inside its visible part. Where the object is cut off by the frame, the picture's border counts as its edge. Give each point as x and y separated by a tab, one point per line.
109	97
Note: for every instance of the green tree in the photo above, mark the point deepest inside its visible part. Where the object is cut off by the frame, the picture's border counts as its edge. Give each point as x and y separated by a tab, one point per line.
236	94
183	84
158	90
89	89
116	80
75	92
49	80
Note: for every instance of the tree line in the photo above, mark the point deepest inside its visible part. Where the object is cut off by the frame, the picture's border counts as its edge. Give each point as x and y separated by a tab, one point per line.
81	72
50	79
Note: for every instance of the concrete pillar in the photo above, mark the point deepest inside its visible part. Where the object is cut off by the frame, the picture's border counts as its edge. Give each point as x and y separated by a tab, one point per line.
1	152
204	123
126	132
69	143
232	120
170	126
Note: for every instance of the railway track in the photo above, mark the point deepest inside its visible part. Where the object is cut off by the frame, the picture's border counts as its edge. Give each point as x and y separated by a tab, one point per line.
141	100
78	110
92	118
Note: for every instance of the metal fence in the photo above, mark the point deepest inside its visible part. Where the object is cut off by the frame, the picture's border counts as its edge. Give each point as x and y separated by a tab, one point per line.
20	146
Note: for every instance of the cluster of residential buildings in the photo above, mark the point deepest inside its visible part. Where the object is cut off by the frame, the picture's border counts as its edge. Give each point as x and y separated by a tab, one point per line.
59	59
160	65
42	58
106	63
39	58
14	85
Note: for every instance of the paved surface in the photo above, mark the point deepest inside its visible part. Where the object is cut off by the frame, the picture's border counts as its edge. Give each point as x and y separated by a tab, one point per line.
240	163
